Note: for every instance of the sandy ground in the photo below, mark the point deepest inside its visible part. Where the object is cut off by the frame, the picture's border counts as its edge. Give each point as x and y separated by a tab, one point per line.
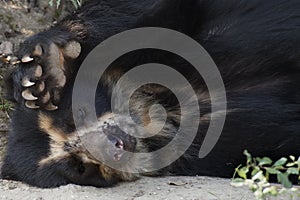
19	21
191	188
195	188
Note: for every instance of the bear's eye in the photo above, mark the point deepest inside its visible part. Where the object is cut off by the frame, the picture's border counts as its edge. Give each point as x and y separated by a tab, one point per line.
81	168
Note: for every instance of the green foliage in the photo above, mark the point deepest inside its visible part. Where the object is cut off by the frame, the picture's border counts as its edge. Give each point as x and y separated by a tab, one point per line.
257	171
57	3
5	106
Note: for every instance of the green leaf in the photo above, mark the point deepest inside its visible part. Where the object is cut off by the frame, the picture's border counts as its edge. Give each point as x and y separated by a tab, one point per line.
291	164
258	176
51	3
57	4
237	182
270	190
272	170
264	161
292	158
284	180
248	156
293	170
255	170
242	172
280	162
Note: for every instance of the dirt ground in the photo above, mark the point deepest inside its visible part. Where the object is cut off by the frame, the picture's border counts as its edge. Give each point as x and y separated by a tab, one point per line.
191	188
20	20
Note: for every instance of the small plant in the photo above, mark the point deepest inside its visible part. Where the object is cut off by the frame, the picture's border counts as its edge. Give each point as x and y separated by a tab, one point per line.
57	3
5	106
257	171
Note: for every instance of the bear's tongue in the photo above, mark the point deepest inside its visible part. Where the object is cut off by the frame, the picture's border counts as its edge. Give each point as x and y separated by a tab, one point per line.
117	147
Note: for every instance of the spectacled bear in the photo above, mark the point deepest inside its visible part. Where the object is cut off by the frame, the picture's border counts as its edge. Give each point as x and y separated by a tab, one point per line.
255	45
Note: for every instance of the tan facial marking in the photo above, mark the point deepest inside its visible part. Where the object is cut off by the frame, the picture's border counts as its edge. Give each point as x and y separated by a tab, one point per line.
57	140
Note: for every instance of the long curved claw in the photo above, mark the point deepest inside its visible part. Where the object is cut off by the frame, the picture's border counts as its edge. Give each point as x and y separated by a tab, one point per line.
27	83
51	107
31	105
26	59
27	95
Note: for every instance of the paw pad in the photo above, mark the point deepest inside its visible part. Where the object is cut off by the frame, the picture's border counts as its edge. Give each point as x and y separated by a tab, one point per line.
43	72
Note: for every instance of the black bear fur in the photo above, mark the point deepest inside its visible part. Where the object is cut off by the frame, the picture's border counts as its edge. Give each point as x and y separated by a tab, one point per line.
255	45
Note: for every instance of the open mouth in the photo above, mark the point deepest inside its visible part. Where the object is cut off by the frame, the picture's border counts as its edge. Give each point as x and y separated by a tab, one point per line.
119	142
105	141
117	147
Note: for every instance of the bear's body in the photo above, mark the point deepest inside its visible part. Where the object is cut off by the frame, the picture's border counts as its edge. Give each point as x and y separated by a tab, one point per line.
255	45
